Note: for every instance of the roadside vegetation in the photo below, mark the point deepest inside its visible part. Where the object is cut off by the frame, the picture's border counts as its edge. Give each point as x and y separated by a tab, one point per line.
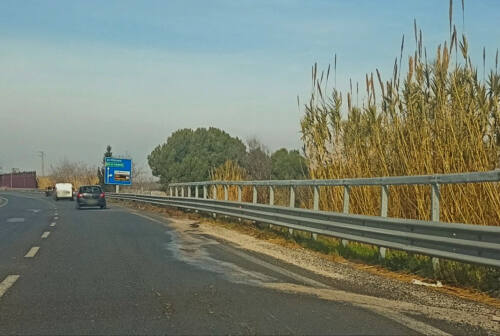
441	115
76	173
189	155
486	279
437	112
202	154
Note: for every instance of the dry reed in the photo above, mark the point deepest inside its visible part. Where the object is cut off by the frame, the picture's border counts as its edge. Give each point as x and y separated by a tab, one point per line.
438	117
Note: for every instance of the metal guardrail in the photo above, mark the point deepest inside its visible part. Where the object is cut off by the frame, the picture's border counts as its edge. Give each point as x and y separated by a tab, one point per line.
434	181
489	176
462	242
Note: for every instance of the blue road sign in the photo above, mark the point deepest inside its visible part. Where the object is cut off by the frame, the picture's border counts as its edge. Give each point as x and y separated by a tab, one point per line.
118	171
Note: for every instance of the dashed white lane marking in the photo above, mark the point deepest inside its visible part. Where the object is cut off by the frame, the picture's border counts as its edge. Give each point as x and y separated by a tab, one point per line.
45	234
32	252
15	220
56	218
7	283
4	202
53	224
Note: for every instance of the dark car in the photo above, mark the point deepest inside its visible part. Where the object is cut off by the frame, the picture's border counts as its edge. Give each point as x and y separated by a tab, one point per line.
49	191
90	196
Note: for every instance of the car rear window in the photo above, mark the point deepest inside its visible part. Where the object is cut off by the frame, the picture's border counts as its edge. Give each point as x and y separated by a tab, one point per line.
90	189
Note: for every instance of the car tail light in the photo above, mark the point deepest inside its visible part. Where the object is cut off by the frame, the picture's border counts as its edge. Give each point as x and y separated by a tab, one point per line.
79	195
102	195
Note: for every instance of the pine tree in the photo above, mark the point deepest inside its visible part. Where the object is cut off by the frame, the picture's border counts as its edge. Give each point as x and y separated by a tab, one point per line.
100	170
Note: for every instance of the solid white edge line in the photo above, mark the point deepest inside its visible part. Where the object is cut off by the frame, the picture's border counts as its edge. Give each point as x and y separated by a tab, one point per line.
45	234
32	252
7	283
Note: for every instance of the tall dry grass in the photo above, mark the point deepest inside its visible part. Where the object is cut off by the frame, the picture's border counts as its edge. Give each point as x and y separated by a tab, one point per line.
49	181
76	173
231	171
44	182
439	116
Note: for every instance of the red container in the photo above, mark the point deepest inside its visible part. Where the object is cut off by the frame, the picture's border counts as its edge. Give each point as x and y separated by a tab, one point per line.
19	180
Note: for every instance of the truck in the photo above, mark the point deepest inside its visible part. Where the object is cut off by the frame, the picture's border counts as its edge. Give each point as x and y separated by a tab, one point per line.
63	191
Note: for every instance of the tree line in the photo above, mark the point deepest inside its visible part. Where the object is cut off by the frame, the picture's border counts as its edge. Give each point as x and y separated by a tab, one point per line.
192	155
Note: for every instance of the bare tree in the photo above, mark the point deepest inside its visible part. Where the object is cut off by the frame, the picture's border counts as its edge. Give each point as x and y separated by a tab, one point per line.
77	173
257	162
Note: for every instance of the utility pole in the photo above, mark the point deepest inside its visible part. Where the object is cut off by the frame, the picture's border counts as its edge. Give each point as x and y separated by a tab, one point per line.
42	155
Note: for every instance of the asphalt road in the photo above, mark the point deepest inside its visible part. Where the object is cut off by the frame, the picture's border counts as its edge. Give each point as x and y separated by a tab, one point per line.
115	272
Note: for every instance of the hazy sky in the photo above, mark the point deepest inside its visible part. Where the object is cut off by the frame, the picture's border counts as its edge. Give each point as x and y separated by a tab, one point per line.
78	75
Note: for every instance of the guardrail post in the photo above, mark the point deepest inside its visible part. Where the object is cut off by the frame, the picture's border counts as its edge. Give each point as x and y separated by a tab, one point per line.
189	191
316	198
226	193
196	194
435	198
254	197
214	190
347	193
292	203
271	200
171	191
384	197
435	264
176	192
182	192
240	192
315	206
205	192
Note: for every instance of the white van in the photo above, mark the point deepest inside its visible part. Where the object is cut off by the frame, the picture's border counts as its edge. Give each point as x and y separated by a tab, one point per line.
63	190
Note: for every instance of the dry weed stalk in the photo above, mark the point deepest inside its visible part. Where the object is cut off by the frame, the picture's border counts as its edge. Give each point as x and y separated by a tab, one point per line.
441	118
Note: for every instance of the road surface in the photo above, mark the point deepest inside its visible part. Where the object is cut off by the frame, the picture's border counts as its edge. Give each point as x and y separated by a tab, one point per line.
114	271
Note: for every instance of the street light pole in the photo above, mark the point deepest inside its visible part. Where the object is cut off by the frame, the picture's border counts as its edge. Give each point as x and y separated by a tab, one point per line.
42	155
